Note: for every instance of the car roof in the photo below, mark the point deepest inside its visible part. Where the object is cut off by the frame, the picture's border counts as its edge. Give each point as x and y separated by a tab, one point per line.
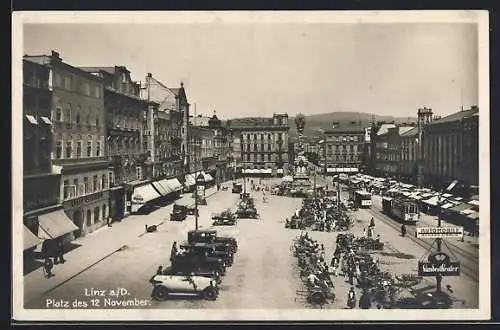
209	231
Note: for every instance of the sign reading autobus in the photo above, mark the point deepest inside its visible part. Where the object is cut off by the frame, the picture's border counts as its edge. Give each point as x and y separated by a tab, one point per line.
362	199
439	232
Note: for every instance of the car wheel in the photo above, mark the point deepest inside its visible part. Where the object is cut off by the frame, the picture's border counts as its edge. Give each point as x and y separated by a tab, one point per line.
160	293
210	293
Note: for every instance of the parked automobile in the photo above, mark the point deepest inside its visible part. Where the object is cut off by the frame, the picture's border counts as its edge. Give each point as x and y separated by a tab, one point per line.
211	236
169	285
179	213
199	271
189	261
210	249
225	218
237	188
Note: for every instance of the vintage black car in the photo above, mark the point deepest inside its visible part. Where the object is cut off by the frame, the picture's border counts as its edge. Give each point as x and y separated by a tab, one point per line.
244	195
211	236
179	213
199	271
190	260
237	188
225	218
218	250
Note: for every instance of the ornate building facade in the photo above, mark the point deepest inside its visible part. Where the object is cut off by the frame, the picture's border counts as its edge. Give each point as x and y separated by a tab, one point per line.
344	148
125	115
79	142
263	144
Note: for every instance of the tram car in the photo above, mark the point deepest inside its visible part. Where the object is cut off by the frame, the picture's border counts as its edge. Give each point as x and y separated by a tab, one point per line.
362	199
403	210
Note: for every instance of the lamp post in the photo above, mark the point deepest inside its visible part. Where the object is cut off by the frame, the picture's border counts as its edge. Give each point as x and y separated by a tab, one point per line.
200	180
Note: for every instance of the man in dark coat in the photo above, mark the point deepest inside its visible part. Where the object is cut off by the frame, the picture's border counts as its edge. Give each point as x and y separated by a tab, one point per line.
365	300
173	252
403	230
60	252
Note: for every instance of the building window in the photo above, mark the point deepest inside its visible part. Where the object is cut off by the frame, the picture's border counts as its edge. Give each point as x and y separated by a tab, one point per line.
67	83
255	136
111	179
104	215
59	149
79	149
78	117
59	114
103	181
89	146
58	80
95	183
86	185
69	149
76	185
138	172
97	92
97	121
86	88
89	218
98	149
66	188
68	114
96	214
88	117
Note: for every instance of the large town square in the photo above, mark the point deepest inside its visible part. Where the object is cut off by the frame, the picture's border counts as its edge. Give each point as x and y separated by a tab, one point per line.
269	174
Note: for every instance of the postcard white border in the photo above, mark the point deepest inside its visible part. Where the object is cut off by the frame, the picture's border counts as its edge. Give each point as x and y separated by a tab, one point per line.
481	18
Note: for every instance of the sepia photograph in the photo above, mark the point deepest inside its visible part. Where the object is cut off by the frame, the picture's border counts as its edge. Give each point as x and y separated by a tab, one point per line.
251	166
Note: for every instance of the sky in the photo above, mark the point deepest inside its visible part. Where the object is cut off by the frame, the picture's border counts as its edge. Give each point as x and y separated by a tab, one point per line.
242	70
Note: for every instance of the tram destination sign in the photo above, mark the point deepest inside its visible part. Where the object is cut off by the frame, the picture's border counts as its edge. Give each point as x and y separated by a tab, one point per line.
439	232
450	268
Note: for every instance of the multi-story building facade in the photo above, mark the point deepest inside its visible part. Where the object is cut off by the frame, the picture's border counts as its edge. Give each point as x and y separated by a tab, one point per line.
409	155
451	149
125	116
379	147
389	162
165	130
41	180
79	142
344	148
263	143
223	155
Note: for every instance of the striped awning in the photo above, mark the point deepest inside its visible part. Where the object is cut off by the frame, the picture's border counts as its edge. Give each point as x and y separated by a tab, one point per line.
189	180
174	184
161	188
56	224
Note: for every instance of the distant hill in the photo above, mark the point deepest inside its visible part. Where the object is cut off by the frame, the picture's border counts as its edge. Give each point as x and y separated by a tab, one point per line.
316	123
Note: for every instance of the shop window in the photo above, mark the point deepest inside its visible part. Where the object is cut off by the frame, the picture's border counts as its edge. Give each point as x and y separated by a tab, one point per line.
89	218
96	214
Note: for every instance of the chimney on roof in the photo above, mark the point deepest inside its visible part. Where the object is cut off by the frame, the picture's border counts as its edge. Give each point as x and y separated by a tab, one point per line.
150	75
55	56
474	107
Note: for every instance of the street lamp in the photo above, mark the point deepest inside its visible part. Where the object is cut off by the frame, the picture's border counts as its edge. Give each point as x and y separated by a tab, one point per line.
200	180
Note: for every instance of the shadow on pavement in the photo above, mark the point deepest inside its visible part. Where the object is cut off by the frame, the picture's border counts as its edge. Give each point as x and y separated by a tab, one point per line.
35	260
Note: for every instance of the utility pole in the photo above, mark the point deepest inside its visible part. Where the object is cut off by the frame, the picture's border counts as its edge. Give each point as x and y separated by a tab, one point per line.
439	278
196	201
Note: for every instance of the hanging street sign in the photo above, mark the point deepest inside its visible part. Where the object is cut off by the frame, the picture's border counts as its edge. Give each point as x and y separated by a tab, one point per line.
439	232
448	268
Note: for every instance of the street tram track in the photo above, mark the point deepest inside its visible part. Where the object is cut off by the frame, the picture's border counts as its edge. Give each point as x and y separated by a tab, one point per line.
469	270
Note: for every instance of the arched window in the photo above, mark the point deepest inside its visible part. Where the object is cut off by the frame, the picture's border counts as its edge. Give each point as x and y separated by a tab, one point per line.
77	117
89	146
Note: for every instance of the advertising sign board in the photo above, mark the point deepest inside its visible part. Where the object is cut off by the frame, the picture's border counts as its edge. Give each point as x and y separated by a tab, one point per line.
439	232
450	268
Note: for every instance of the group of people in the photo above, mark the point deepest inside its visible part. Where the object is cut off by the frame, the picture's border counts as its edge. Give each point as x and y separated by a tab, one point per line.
53	254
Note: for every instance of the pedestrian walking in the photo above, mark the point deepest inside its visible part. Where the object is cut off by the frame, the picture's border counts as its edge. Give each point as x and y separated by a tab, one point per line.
60	252
173	251
351	298
350	276
403	230
159	271
109	221
365	300
364	232
47	266
372	222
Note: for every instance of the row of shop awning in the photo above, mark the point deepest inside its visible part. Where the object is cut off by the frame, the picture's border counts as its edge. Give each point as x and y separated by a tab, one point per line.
153	190
342	170
50	226
190	179
260	171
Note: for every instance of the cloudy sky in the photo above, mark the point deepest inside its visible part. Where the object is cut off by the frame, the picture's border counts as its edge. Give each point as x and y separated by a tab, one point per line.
257	69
